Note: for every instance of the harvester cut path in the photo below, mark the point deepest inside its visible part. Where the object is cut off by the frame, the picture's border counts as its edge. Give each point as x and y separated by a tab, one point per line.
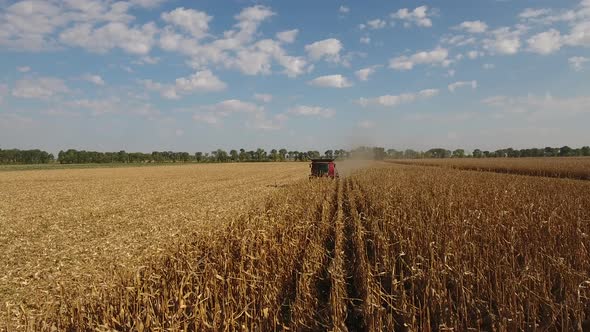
323	168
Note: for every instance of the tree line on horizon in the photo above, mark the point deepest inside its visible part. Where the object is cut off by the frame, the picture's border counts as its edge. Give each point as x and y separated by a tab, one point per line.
72	156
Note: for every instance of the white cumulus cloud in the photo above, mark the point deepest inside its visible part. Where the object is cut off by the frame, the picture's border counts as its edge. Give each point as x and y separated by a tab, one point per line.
438	56
95	79
258	59
148	3
504	40
580	33
428	93
376	24
363	74
316	111
529	13
134	40
328	49
39	88
457	85
192	21
229	106
256	115
474	54
95	107
223	51
545	42
331	81
31	24
473	26
37	24
459	40
248	21
253	62
548	105
396	100
201	81
578	62
287	36
419	16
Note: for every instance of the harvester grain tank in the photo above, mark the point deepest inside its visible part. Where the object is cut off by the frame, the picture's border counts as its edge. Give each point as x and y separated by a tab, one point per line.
323	168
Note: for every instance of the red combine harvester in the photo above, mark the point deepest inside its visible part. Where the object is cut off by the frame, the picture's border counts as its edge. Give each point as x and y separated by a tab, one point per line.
323	168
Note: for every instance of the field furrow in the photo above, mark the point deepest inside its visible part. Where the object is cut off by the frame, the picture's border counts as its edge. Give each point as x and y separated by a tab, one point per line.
311	310
360	303
338	291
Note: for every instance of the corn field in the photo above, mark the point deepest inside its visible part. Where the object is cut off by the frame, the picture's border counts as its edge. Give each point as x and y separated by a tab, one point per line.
557	167
386	248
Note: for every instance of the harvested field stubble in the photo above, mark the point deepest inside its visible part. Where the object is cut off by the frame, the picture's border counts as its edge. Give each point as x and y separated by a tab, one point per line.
76	229
255	273
566	167
388	248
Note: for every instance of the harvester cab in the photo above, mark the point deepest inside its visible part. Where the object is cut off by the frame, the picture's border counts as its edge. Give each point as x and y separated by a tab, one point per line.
323	168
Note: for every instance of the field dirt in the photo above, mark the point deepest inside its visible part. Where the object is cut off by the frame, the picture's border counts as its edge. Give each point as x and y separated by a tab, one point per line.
70	228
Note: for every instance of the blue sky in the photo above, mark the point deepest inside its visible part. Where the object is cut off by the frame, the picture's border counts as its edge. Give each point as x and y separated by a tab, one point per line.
145	75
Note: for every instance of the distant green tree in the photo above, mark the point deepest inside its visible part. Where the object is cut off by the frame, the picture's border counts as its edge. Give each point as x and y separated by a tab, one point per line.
16	156
512	153
283	154
303	156
260	155
274	155
502	153
122	157
438	153
243	155
394	154
221	156
411	154
313	154
199	156
459	153
234	155
551	152
184	156
566	151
